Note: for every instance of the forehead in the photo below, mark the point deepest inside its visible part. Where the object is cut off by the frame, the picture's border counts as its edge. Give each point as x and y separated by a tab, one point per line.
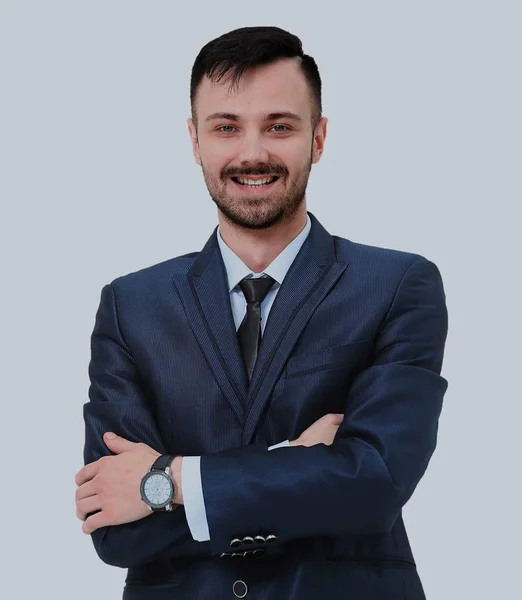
262	89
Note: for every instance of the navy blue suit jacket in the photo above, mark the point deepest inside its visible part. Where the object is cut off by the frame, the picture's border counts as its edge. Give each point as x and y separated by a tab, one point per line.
354	329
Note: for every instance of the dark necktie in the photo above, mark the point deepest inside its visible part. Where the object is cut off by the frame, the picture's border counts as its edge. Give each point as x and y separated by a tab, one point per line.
249	332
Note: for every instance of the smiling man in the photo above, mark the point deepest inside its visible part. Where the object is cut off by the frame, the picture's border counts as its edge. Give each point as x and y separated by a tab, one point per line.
260	411
256	161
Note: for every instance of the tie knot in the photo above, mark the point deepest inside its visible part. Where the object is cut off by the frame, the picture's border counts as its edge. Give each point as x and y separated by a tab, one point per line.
256	289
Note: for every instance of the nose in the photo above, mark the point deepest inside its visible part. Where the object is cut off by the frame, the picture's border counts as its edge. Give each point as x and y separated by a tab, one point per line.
252	149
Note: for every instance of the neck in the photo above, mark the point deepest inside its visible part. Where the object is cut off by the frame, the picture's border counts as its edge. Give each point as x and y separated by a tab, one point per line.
257	248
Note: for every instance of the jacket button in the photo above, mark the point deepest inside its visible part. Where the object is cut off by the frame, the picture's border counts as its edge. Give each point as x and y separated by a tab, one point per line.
259	539
248	553
225	554
271	538
248	540
259	552
237	554
240	589
235	543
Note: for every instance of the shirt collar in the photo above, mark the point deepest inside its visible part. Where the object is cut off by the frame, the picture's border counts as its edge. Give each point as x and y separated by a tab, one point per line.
237	270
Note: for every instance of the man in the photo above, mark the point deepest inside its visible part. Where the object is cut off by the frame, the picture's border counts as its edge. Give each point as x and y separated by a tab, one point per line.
274	469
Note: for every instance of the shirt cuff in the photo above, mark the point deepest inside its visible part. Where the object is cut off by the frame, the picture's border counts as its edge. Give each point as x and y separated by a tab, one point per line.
193	498
280	445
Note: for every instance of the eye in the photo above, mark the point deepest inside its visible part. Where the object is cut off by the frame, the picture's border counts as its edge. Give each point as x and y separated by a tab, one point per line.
221	128
285	128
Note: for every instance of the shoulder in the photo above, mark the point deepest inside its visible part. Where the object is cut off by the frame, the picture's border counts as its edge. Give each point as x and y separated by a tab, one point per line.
365	253
378	263
152	276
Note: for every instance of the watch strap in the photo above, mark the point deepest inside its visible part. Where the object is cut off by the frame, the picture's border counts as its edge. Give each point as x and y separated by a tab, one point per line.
162	462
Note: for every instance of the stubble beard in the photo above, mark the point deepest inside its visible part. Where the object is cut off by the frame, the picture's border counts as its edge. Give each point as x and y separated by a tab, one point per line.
259	212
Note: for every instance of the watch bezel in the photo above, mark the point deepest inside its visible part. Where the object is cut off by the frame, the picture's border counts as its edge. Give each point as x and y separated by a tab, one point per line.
144	480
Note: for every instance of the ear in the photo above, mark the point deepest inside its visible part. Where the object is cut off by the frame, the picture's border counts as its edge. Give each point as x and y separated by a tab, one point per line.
319	138
194	139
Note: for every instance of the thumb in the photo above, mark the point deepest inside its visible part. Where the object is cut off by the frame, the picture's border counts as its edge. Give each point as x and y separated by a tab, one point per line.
116	443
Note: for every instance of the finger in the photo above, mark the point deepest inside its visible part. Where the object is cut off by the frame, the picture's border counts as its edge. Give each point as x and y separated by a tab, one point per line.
95	521
85	490
88	505
87	473
117	443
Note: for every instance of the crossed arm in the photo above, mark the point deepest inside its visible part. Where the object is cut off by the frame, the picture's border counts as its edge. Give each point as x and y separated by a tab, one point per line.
357	485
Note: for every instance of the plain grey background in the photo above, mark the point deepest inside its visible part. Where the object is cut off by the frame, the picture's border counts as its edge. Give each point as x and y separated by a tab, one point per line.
97	179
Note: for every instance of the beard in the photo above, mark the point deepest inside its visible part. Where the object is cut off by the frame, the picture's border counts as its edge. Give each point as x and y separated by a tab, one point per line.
260	211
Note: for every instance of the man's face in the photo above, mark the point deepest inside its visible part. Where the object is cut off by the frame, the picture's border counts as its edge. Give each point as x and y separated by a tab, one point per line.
256	144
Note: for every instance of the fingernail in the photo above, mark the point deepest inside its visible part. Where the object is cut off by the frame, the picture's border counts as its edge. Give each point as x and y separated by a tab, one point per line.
110	435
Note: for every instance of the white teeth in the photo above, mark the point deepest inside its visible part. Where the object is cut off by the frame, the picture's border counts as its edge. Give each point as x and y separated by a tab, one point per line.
255	182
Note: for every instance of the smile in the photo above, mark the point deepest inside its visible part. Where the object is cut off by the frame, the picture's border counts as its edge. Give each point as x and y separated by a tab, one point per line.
253	182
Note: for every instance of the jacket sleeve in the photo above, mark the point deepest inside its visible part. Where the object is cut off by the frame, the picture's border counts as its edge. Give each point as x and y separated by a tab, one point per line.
360	483
118	403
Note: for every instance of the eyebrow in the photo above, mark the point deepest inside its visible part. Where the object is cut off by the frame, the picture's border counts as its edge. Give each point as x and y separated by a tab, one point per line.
268	117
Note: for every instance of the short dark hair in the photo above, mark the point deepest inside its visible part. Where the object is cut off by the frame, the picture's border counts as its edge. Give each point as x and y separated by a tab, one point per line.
234	52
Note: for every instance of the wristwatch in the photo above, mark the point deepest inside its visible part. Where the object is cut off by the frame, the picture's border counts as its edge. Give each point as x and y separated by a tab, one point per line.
157	488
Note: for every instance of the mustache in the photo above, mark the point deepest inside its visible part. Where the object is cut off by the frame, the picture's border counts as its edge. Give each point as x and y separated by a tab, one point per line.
267	169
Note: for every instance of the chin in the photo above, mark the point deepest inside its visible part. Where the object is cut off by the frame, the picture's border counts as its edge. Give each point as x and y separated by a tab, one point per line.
249	219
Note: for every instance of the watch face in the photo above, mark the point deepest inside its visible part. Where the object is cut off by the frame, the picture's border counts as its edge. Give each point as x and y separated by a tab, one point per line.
157	489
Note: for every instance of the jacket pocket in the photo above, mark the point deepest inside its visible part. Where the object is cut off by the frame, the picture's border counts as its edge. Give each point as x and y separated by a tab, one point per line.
327	358
159	591
377	562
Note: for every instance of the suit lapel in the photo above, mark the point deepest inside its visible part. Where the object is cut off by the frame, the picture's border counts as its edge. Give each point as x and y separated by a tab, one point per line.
205	297
310	277
204	293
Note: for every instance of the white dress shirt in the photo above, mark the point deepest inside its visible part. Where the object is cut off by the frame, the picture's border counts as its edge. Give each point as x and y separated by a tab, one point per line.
236	270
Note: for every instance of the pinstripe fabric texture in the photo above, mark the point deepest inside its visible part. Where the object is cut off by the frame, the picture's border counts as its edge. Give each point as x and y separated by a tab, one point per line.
355	329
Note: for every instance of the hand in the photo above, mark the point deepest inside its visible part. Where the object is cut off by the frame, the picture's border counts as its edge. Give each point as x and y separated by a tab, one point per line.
321	432
112	485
